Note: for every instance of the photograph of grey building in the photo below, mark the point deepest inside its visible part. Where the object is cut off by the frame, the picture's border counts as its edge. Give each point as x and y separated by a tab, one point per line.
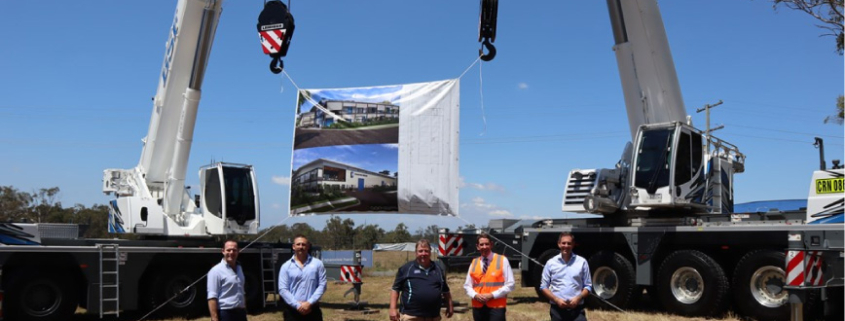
328	186
346	122
356	114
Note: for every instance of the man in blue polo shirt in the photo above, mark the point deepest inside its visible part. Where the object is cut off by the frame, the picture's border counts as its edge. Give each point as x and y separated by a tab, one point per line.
566	282
225	284
302	282
423	288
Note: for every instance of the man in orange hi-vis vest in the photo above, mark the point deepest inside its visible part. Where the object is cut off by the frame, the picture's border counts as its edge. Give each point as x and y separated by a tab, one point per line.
489	281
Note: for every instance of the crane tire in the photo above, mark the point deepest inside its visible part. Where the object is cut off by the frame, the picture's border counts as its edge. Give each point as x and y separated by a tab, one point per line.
614	280
166	291
691	283
758	286
41	295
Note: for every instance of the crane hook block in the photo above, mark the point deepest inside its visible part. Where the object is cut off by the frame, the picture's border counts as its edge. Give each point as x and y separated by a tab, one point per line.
487	28
275	30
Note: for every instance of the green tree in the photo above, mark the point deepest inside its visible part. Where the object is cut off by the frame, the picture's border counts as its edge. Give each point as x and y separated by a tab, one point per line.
838	116
828	12
14	204
93	221
398	235
430	233
339	233
45	203
303	96
309	232
367	236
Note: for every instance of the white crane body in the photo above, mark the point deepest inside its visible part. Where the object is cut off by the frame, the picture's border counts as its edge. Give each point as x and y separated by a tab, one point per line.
667	168
152	197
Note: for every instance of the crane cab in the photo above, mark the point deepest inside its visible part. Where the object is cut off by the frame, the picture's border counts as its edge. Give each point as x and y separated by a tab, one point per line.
671	169
229	199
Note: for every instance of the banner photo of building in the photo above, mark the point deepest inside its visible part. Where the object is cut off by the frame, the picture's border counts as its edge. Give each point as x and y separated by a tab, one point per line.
384	149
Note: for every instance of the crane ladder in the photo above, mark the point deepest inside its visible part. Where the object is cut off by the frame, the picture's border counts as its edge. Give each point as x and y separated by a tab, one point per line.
109	279
268	277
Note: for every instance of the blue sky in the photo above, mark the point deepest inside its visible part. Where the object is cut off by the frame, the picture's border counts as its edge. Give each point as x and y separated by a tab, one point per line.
76	81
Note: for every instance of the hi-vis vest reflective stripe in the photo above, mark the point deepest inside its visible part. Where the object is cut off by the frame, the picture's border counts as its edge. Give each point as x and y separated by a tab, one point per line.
489	282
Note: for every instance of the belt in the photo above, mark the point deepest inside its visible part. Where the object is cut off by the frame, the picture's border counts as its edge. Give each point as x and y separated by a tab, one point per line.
235	309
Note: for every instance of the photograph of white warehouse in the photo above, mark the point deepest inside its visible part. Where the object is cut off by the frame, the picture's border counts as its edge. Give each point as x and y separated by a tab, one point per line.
351	111
324	172
328	186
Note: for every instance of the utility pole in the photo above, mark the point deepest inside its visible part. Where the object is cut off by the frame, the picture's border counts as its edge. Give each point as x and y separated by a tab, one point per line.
709	130
707	138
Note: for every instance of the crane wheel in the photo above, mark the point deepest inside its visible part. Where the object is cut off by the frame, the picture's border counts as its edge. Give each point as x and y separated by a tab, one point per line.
691	283
41	295
614	280
757	286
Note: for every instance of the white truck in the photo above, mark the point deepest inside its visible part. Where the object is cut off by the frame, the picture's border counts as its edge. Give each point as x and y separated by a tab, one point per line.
48	271
666	222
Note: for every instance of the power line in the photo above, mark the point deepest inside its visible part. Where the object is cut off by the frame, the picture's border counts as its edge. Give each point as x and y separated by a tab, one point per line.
785	131
784	140
769	105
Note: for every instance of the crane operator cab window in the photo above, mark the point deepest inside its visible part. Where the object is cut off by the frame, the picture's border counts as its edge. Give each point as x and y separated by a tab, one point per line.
235	197
213	199
669	168
240	194
653	159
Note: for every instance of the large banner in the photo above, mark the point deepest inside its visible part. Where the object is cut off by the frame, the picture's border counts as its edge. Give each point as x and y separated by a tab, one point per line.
387	149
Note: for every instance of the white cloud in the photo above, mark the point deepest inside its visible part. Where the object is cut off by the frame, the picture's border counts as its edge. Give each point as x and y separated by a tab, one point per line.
281	180
480	207
276	206
522	86
481	203
391	146
502	213
481	187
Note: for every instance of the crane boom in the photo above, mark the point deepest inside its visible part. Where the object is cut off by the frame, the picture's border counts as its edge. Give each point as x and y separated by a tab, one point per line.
649	81
180	82
152	197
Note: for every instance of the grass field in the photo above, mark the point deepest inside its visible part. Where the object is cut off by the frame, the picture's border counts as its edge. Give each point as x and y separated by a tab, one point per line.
523	304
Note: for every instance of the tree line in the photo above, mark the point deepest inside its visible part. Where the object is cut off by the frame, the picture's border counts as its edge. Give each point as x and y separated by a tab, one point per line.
43	206
342	234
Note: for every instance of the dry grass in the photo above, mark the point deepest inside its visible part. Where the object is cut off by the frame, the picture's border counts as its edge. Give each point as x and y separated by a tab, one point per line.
522	303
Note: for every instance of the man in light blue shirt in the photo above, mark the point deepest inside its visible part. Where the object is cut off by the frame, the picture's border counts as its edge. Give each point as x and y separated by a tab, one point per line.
225	284
566	282
302	281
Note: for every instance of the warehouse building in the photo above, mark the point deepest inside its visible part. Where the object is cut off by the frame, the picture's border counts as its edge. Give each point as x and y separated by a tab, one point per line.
326	173
350	111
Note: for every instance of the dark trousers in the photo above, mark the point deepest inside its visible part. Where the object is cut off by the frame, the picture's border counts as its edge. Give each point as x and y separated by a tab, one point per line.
291	314
560	314
233	315
486	313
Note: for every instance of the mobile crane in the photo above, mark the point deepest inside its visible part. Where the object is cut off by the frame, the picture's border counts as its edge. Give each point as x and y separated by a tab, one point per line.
667	225
48	270
151	198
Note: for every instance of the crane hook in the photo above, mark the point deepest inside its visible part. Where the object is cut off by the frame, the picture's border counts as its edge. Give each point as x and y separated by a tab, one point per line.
487	28
275	30
491	51
276	65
